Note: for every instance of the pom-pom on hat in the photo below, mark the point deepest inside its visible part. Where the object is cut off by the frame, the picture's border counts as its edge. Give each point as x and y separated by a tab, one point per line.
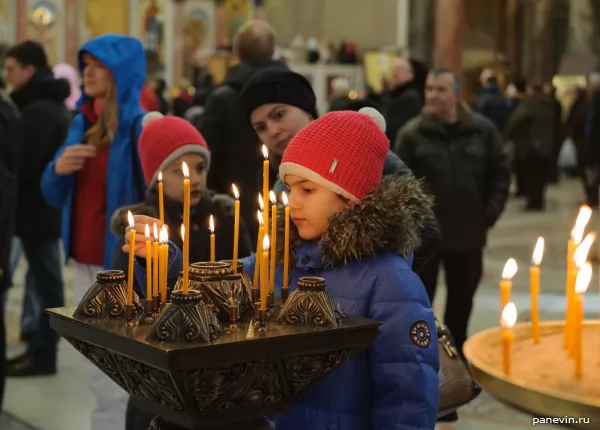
163	140
343	151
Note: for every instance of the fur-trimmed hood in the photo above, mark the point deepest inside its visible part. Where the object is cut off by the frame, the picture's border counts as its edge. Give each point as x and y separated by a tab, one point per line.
387	220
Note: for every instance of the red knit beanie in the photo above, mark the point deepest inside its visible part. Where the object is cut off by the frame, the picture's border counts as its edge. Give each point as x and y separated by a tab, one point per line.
343	151
164	139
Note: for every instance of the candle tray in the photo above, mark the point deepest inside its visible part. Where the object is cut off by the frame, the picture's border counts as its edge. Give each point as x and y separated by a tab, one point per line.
542	382
107	297
219	285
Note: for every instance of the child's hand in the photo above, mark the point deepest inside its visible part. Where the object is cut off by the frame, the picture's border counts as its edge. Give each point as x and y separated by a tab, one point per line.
140	222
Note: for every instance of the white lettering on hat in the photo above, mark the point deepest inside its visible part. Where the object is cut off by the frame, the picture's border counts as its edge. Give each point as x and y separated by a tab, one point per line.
333	165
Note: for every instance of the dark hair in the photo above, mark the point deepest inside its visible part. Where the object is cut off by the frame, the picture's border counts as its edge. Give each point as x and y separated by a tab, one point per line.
492	80
437	71
29	53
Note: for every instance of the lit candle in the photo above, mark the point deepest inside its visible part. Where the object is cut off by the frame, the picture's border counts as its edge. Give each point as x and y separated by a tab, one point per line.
186	223
264	274
155	262
148	264
185	278
261	232
510	269
211	227
236	227
131	257
286	245
581	285
507	322
161	201
273	241
164	263
265	194
534	287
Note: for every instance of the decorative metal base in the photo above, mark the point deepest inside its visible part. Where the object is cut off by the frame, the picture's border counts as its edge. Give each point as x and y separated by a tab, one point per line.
186	319
234	314
106	298
148	314
311	304
256	424
262	320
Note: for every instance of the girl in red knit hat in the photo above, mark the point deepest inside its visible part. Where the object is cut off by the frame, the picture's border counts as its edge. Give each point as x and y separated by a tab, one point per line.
348	227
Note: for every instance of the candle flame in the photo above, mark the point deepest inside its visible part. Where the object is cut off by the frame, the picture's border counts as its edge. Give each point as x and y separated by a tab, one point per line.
159	176
236	194
186	171
266	243
581	253
265	152
583	278
585	213
130	219
211	225
164	235
156	237
147	232
509	316
260	202
538	252
261	220
510	269
272	198
284	198
183	232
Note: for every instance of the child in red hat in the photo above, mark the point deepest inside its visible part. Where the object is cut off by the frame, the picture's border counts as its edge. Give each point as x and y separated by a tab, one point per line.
348	227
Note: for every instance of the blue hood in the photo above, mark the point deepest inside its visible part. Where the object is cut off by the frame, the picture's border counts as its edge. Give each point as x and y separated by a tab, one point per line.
125	57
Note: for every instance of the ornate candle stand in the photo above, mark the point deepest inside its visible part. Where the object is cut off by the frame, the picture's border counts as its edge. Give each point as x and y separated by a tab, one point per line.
195	376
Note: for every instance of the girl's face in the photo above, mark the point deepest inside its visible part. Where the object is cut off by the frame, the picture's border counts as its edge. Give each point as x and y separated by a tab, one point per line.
96	77
276	124
311	205
173	178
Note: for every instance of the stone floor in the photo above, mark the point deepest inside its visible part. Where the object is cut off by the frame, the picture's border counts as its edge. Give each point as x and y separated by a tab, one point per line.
63	402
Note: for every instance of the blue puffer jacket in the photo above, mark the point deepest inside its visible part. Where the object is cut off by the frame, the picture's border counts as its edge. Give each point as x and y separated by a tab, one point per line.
125	58
394	384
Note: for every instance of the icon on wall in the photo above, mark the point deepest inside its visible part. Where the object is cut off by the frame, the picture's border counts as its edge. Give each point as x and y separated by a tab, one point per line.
42	18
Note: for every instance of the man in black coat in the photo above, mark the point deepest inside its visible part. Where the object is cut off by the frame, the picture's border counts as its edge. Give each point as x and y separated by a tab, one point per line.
492	104
41	131
235	148
459	155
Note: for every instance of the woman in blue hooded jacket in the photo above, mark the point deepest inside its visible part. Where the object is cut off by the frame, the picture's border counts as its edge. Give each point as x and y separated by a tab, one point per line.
348	227
97	171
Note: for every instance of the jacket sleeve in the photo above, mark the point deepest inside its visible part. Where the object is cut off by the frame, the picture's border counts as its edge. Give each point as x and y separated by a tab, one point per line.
404	358
498	177
213	126
249	263
121	262
431	244
55	187
404	148
173	268
245	245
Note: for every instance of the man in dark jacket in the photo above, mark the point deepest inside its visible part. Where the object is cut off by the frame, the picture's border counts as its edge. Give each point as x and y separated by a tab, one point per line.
459	155
530	131
236	150
280	103
492	104
403	102
41	131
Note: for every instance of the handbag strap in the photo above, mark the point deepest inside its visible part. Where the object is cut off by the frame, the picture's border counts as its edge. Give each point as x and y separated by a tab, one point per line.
140	182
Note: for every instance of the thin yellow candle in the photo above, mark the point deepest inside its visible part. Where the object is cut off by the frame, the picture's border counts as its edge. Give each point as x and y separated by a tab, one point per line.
164	263
261	233
236	227
161	199
265	194
581	285
507	322
131	257
186	223
155	262
286	245
211	227
185	278
510	269
148	264
264	274
273	241
534	287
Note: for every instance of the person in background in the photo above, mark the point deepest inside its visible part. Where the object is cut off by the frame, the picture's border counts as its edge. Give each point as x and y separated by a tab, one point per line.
41	129
340	87
183	100
97	171
558	136
148	99
492	104
236	150
66	71
160	86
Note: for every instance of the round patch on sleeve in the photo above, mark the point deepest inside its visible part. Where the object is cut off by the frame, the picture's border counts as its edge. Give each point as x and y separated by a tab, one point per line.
420	334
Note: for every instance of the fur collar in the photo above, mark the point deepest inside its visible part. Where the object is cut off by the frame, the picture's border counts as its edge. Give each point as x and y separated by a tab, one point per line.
388	220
